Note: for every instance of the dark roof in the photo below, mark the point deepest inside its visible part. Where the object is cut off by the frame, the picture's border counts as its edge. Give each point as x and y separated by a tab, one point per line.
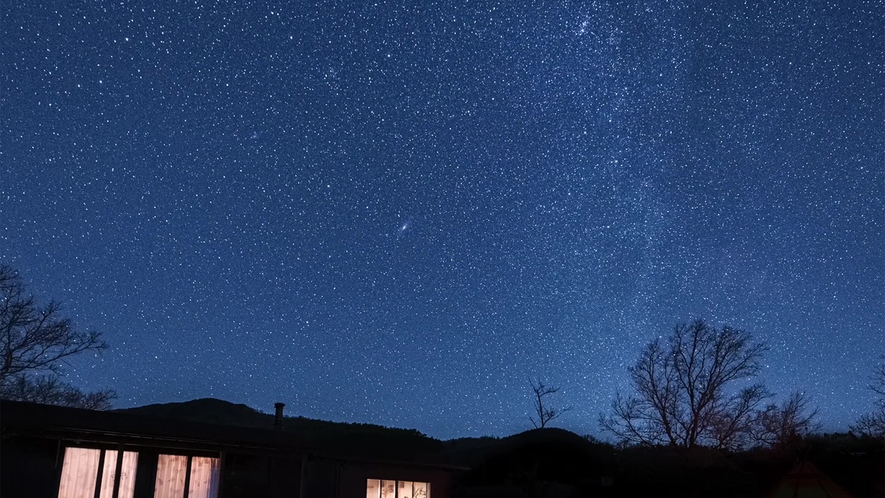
112	426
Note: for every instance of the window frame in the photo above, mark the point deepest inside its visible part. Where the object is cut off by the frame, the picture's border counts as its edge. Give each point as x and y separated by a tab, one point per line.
396	487
99	476
147	461
189	469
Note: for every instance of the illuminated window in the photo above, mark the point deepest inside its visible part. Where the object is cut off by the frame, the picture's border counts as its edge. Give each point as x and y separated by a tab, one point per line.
378	488
404	489
80	476
180	476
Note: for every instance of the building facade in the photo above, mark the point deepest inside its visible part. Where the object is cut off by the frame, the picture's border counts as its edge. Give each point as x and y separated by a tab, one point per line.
49	451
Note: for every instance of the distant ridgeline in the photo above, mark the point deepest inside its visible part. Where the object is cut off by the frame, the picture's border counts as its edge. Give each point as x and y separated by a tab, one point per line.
365	439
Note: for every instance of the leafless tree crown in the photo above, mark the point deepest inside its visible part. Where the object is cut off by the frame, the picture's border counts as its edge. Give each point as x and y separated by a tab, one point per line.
682	389
51	390
778	425
35	343
544	413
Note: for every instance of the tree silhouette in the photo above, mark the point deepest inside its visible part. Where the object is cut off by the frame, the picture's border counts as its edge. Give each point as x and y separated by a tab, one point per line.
35	342
544	413
873	424
683	390
777	425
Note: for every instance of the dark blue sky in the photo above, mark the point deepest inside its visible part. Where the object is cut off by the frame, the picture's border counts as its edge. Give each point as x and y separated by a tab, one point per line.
398	214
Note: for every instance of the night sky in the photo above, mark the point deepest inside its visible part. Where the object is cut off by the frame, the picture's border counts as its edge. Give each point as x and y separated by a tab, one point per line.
399	214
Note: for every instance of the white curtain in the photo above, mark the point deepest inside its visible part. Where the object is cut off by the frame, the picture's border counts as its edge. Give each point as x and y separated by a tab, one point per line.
127	474
205	477
373	488
404	489
171	470
421	490
78	473
388	489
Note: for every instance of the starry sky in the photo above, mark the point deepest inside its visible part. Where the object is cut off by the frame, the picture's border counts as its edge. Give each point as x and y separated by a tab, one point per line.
398	213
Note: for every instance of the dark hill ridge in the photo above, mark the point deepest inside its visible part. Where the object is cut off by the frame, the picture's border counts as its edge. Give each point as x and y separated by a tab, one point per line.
217	411
208	410
371	439
351	438
543	455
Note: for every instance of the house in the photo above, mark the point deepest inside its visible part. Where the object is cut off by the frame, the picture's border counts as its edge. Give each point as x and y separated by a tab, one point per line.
51	451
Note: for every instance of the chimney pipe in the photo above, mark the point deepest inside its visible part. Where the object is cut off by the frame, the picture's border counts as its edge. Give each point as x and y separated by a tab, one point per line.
278	418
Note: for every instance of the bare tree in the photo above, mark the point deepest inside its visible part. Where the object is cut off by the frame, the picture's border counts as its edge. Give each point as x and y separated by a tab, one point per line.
544	413
777	425
734	427
682	389
51	390
35	343
870	424
873	424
